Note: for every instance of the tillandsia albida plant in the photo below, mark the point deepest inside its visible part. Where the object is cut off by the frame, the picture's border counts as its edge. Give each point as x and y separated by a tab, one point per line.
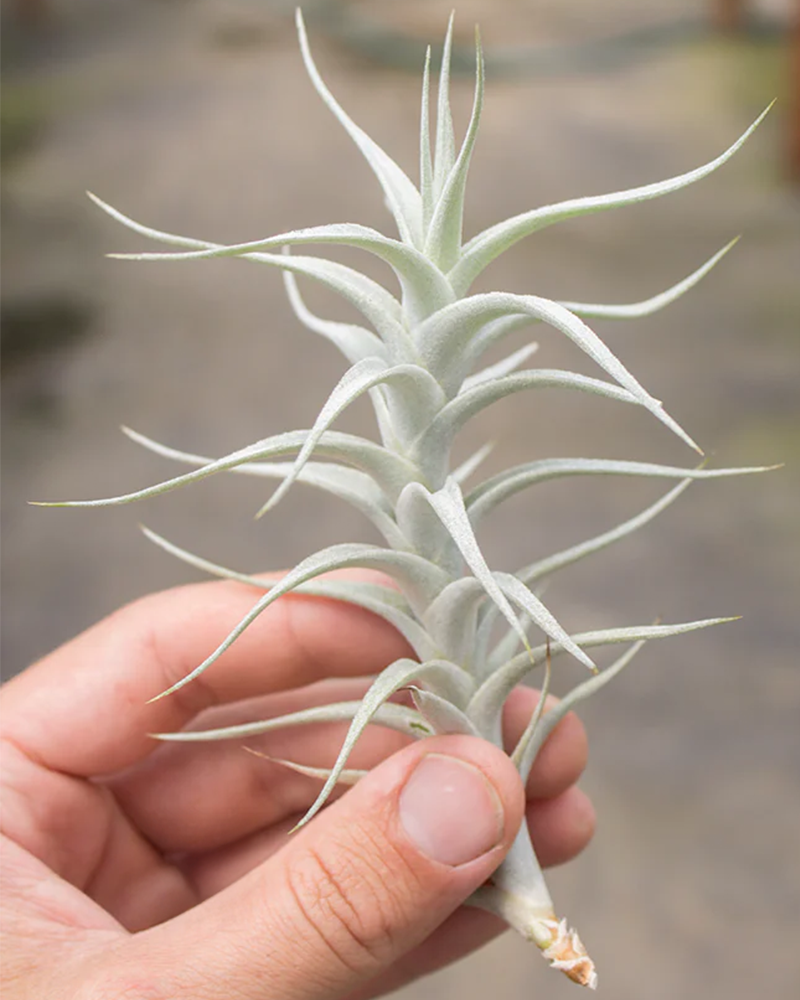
417	357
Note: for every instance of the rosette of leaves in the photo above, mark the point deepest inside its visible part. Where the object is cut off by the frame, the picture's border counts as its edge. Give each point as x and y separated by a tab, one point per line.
417	355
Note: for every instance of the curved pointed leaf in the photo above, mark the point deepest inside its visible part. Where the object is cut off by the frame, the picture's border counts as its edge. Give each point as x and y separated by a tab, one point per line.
388	682
153	234
388	470
452	616
506	647
438	436
651	305
421	398
490	697
444	152
527	750
418	578
492	333
371	299
465	470
443	237
516	591
448	333
441	715
533	729
354	487
425	287
448	504
500	368
425	161
494	491
398	717
402	197
425	532
486	246
544	567
355	342
347	776
384	602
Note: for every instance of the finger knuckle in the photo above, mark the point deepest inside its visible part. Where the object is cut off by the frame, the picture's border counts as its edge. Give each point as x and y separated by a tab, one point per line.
352	902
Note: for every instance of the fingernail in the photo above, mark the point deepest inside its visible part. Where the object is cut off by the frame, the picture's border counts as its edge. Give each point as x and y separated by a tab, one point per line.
450	811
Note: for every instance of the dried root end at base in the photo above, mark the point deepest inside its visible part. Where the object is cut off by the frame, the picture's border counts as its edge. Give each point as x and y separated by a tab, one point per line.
567	954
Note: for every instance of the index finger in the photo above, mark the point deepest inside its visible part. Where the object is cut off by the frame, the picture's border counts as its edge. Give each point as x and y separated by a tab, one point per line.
83	708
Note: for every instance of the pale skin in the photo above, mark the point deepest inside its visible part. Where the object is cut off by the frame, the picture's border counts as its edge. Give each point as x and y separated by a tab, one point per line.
146	871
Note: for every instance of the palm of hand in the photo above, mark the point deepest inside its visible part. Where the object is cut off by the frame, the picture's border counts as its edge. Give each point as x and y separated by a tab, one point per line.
110	843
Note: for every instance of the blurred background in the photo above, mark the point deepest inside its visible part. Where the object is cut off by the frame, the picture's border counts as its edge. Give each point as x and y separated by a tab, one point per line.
196	116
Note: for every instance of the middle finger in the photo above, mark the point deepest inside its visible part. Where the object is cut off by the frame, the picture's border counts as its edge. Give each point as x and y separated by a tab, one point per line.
191	798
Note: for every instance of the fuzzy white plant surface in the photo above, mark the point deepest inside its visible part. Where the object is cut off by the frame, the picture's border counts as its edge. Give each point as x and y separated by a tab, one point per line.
418	358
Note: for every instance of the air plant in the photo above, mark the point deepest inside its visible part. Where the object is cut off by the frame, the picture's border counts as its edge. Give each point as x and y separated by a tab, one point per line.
417	356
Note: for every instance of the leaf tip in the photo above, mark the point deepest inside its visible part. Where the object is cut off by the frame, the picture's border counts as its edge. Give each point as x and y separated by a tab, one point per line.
158	697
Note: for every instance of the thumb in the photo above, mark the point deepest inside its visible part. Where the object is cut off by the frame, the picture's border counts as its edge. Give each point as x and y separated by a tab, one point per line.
371	877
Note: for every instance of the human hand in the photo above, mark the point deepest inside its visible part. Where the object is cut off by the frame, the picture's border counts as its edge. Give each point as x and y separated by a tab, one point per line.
163	871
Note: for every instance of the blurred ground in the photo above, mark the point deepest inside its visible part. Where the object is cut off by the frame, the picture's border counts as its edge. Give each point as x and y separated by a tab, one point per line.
195	116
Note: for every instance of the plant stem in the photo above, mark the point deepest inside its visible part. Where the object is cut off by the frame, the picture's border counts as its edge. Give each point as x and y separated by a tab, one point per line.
518	894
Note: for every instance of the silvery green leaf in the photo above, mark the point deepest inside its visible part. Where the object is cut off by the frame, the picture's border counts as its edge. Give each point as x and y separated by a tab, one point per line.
490	697
501	368
533	729
383	418
370	298
438	436
438	673
373	301
448	503
389	471
425	162
421	396
444	153
544	567
355	342
491	333
528	748
516	591
413	398
648	306
347	776
465	470
443	237
425	288
447	335
402	197
154	234
492	492
505	648
418	578
355	488
350	485
398	717
424	530
385	602
452	616
442	716
486	246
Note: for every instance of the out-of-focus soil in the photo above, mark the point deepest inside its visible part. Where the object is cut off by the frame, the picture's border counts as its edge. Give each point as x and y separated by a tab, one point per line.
197	117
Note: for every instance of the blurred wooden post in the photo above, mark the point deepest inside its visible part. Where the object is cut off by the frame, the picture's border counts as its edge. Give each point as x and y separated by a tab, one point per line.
32	13
793	105
728	15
